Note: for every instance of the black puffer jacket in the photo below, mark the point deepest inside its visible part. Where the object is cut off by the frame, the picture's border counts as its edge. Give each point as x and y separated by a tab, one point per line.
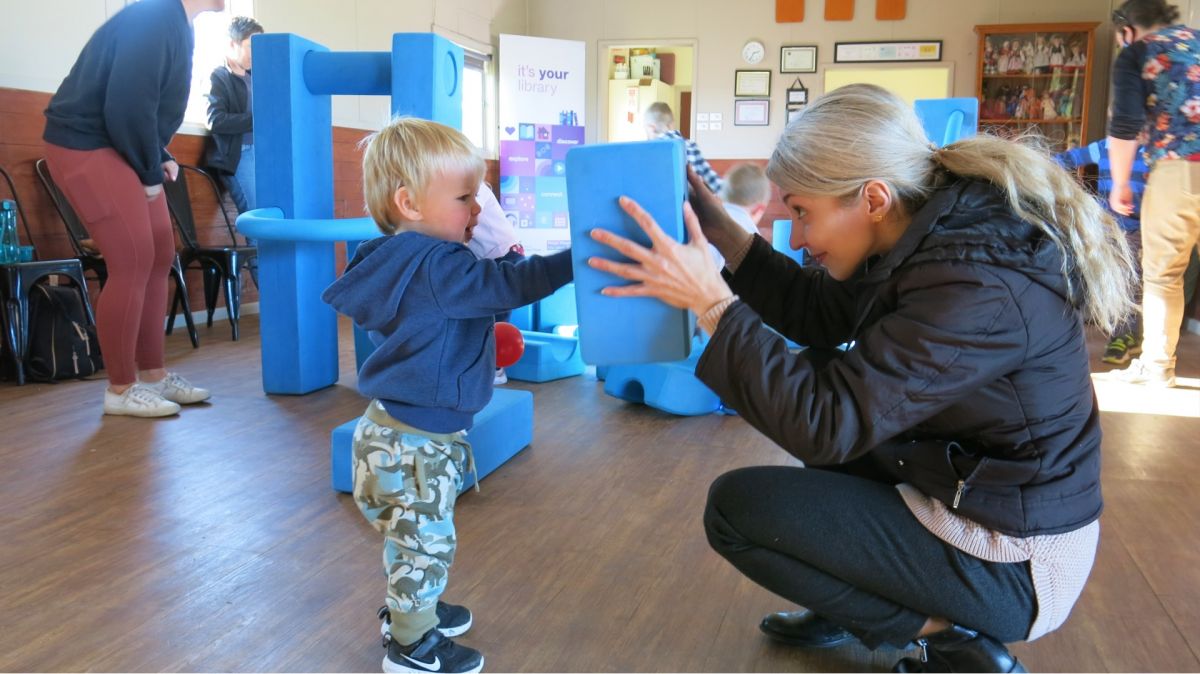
229	120
968	377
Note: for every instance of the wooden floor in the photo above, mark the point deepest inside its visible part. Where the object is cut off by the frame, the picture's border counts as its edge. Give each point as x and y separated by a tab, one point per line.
213	542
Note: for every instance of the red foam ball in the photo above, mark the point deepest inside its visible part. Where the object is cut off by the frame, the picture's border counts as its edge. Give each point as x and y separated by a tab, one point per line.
510	344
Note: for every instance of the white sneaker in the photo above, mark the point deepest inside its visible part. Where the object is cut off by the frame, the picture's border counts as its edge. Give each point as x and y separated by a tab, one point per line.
1141	372
138	400
175	388
500	378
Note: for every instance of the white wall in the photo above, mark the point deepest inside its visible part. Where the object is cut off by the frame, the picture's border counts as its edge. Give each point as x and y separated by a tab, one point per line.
722	27
43	38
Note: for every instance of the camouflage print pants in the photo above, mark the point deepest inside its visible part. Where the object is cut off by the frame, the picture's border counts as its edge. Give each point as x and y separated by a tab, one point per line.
405	483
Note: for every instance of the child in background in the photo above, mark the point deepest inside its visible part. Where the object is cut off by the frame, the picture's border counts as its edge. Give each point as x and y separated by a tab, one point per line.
429	306
1125	342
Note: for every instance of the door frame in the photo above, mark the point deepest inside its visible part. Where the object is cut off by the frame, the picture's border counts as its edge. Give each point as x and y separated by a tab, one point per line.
602	49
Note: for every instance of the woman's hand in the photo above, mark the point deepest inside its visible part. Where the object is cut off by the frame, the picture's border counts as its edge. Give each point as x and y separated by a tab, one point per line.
170	170
722	231
683	276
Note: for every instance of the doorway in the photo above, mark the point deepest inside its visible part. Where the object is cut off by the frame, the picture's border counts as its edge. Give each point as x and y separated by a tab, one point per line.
636	73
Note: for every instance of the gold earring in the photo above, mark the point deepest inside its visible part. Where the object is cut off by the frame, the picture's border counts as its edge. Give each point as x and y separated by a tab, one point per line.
878	218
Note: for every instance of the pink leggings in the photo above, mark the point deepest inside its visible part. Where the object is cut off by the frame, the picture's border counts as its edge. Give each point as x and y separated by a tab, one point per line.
134	236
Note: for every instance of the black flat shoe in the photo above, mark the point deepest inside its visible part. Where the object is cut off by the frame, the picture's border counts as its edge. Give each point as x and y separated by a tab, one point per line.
958	649
804	629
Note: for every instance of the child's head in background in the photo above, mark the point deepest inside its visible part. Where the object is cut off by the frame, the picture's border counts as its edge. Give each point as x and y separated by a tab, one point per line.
421	176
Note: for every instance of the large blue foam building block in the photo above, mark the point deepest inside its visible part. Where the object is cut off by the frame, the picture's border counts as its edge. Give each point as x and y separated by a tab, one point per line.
948	120
295	79
547	357
502	429
670	387
781	236
557	310
614	330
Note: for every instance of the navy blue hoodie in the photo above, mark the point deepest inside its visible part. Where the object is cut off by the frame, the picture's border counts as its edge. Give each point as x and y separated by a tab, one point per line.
429	307
129	87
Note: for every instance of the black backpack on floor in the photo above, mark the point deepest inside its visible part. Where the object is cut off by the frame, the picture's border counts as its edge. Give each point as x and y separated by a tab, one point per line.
61	343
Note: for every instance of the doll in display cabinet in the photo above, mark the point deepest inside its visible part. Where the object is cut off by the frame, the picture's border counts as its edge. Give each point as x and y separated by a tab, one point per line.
1078	58
1002	58
1058	52
1066	103
1028	56
1041	56
989	57
1016	59
1049	110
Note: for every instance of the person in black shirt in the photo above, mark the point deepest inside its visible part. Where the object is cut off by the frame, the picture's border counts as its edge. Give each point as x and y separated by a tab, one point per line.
230	152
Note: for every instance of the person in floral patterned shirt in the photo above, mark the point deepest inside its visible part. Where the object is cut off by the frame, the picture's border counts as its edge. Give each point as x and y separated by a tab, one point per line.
1156	88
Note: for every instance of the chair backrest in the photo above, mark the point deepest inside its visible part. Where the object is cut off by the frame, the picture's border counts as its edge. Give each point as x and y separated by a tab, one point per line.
179	202
12	188
947	120
76	230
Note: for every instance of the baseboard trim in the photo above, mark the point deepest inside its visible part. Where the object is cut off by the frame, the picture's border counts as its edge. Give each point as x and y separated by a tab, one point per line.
221	314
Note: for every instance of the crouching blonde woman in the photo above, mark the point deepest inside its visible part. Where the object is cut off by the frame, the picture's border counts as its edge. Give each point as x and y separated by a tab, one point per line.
951	493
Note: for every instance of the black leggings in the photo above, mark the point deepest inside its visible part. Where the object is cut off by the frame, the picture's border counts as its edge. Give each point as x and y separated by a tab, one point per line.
847	547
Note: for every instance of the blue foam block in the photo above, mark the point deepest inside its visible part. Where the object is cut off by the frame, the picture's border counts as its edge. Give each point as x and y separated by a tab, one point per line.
557	309
781	236
522	318
547	357
502	429
615	330
670	387
948	120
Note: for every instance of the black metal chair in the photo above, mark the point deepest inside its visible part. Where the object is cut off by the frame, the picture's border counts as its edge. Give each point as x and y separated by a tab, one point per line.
89	256
221	265
17	279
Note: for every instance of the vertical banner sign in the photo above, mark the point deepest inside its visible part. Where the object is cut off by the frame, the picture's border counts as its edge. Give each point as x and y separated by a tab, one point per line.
541	118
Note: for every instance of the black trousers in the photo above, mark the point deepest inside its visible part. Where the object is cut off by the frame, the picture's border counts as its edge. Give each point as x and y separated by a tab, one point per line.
842	543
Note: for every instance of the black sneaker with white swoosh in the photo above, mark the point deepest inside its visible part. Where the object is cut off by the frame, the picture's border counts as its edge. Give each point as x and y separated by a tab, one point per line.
453	620
433	653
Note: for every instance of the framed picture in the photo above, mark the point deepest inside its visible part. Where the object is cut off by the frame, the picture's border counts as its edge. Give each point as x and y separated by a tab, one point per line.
752	112
797	96
752	83
887	52
793	112
798	59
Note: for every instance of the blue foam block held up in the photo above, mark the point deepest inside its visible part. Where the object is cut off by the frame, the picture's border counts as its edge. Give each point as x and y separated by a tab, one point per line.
948	120
502	429
616	330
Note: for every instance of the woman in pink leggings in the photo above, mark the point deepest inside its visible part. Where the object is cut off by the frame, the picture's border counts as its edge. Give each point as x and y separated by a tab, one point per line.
107	128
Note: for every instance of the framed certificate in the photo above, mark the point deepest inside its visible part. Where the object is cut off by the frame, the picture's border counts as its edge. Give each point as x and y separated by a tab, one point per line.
752	112
752	83
885	52
798	59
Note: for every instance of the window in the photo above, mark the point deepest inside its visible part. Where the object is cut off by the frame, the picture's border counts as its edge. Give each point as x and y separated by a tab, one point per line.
478	96
212	39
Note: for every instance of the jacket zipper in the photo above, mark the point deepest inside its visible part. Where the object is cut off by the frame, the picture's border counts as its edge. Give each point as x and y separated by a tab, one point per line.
962	484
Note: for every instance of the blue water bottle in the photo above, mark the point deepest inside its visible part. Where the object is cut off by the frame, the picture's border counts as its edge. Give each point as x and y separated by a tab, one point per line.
9	245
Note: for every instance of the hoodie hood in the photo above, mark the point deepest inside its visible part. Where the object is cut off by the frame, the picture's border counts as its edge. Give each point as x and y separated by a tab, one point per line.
377	277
